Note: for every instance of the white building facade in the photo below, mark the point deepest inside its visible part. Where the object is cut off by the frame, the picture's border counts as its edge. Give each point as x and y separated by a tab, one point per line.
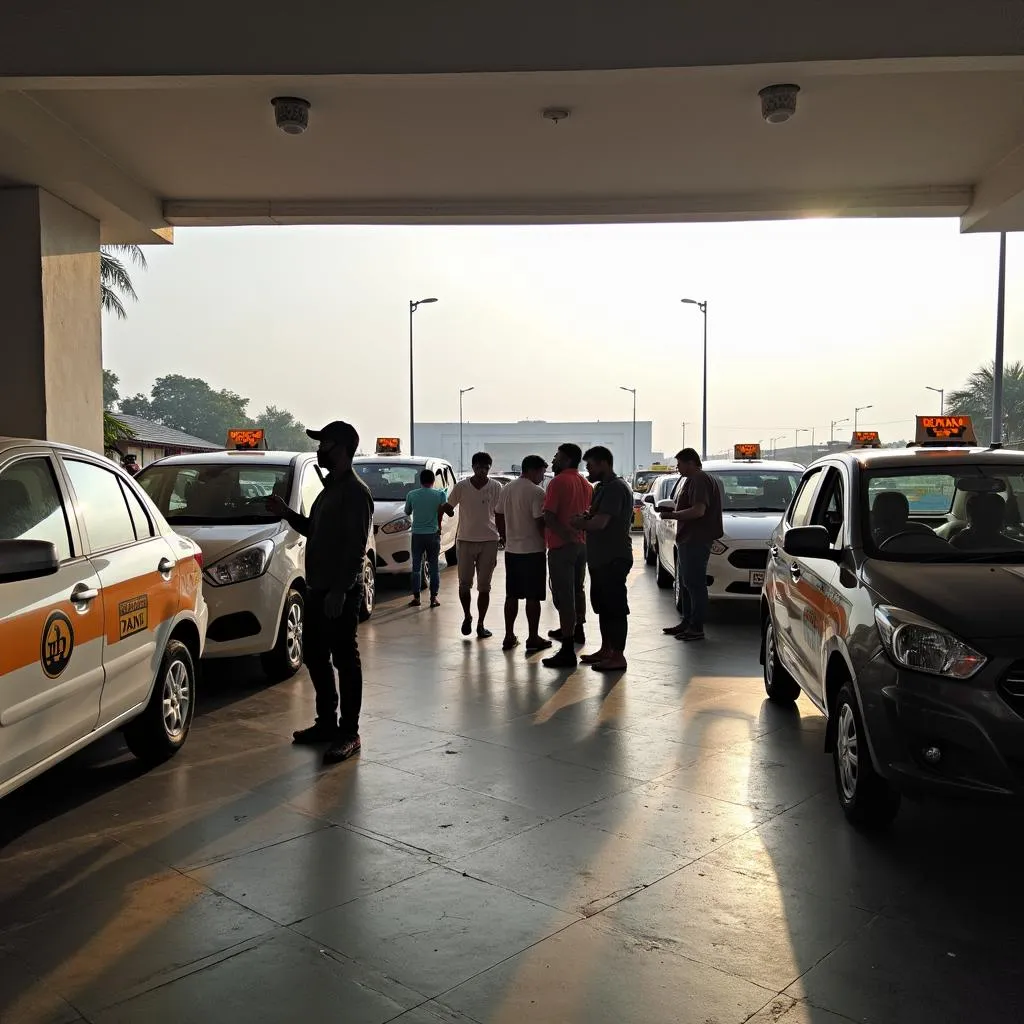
508	443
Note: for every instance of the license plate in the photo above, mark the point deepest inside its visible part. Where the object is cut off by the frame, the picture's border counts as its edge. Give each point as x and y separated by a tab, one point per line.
757	579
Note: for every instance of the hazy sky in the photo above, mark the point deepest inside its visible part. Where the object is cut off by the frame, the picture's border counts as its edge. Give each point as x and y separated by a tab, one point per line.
806	320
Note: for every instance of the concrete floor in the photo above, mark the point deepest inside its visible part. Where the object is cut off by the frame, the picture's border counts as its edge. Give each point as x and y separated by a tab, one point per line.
514	843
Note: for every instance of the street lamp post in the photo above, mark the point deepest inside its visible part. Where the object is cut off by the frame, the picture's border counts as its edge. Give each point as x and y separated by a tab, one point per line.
414	304
632	391
857	412
774	445
703	307
462	391
837	423
796	435
941	392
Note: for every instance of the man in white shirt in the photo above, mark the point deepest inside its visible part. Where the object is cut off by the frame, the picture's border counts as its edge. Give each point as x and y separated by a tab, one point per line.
477	542
520	520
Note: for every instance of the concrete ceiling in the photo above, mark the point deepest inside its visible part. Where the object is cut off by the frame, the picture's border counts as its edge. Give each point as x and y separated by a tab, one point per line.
899	123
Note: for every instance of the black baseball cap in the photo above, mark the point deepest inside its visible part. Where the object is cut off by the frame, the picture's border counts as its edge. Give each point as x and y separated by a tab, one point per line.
339	432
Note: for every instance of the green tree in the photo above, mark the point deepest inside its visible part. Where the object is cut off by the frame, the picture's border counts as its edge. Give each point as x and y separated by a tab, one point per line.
191	405
284	431
115	280
111	394
974	399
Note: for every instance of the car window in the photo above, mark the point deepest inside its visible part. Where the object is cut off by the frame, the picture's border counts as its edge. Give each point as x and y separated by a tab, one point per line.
389	481
311	487
101	505
829	512
140	517
756	490
801	507
31	507
215	493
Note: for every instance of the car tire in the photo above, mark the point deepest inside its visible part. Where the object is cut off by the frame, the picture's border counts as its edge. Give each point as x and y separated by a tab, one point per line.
369	601
664	576
677	593
867	800
780	686
650	552
161	730
285	659
451	556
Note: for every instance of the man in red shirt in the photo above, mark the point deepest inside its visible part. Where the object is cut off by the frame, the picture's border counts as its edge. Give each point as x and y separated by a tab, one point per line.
568	495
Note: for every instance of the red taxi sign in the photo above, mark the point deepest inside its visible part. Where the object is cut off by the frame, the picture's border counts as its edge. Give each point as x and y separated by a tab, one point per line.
945	431
866	439
389	446
244	438
746	452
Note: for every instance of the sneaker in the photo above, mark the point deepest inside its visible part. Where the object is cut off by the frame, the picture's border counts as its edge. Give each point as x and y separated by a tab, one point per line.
314	734
467	625
591	659
415	603
691	635
434	603
342	750
509	642
680	627
565	658
555	634
483	634
613	663
537	643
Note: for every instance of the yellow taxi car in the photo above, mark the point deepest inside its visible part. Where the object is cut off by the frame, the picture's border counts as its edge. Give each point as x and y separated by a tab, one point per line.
102	617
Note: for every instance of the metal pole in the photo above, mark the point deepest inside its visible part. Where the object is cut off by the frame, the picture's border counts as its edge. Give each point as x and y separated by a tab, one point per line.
633	470
461	448
412	388
997	371
704	420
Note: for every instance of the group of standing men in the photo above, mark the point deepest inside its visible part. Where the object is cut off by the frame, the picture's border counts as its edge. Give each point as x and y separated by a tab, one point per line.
557	533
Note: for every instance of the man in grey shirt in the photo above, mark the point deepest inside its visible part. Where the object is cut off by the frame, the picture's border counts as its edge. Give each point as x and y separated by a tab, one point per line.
338	526
609	557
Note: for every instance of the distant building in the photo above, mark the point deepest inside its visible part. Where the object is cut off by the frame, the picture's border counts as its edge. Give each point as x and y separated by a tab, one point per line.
152	441
509	443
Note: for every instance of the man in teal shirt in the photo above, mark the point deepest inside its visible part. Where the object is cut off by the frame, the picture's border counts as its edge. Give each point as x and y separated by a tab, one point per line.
424	504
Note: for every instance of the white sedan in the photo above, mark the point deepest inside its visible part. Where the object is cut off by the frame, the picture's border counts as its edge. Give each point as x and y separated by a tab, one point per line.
754	497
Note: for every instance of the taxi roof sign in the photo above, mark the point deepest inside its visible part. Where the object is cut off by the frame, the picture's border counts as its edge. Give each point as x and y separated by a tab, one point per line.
945	431
746	452
866	439
389	446
246	438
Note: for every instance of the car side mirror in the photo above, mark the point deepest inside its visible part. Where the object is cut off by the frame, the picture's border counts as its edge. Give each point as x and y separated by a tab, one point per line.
809	542
648	499
27	560
667	505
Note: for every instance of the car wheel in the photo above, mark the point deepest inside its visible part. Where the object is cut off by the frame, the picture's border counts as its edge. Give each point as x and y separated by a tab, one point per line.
650	552
867	799
451	556
677	593
369	589
664	576
286	658
780	686
161	730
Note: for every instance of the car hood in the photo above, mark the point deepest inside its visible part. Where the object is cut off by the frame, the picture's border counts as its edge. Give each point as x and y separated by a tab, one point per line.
753	526
216	541
973	601
385	511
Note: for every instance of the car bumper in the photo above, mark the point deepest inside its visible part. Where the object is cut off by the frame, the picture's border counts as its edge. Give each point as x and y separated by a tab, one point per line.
974	726
394	552
244	617
729	582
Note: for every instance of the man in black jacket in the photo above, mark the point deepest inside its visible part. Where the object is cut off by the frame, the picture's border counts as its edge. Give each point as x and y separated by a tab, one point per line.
338	526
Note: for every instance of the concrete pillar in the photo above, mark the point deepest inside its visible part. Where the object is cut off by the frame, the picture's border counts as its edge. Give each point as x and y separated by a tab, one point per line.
51	385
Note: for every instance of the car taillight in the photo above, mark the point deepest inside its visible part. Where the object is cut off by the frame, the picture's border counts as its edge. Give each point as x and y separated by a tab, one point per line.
198	556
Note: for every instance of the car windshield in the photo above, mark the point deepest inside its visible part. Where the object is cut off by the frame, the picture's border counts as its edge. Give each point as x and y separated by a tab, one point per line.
197	494
645	480
389	481
966	513
756	490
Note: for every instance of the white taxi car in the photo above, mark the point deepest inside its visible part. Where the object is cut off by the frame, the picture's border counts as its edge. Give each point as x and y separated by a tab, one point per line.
755	494
390	478
102	617
662	489
255	564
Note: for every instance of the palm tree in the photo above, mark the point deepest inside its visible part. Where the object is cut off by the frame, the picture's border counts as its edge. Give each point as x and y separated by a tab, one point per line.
115	280
974	399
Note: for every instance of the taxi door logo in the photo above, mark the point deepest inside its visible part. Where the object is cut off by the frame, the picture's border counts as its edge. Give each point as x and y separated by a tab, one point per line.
133	616
57	644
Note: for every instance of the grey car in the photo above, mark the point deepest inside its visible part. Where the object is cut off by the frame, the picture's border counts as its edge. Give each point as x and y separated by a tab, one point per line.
893	599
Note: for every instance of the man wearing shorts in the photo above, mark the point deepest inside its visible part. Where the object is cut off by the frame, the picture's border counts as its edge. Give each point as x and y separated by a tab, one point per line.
568	495
520	519
477	542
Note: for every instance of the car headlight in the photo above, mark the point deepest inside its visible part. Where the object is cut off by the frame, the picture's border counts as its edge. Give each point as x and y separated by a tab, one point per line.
922	646
718	548
399	525
243	565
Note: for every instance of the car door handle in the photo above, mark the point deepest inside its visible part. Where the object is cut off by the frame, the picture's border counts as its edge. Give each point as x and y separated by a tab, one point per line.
84	594
165	567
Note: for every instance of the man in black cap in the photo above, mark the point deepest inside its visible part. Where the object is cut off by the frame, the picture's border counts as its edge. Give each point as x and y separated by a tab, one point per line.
338	526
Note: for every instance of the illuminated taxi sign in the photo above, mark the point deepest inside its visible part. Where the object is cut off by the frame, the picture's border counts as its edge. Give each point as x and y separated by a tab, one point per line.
866	439
945	431
746	452
389	446
246	438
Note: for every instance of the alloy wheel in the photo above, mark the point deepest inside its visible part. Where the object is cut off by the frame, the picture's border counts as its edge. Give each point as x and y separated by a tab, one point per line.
177	696
847	751
293	634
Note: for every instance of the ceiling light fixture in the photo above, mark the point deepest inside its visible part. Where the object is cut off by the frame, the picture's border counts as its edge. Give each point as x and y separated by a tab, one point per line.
291	114
778	102
555	114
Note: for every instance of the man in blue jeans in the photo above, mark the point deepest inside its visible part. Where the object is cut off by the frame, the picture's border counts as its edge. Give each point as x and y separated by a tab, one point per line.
423	504
698	515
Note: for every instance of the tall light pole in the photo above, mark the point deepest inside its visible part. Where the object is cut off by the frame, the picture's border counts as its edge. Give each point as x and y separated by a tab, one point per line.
857	412
997	367
462	391
797	433
941	392
703	307
414	304
632	391
774	447
837	423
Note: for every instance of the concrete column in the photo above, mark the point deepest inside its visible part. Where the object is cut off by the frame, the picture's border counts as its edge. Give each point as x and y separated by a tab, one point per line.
50	335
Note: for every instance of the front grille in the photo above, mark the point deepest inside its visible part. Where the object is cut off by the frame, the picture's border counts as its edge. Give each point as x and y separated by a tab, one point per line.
749	558
1011	687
